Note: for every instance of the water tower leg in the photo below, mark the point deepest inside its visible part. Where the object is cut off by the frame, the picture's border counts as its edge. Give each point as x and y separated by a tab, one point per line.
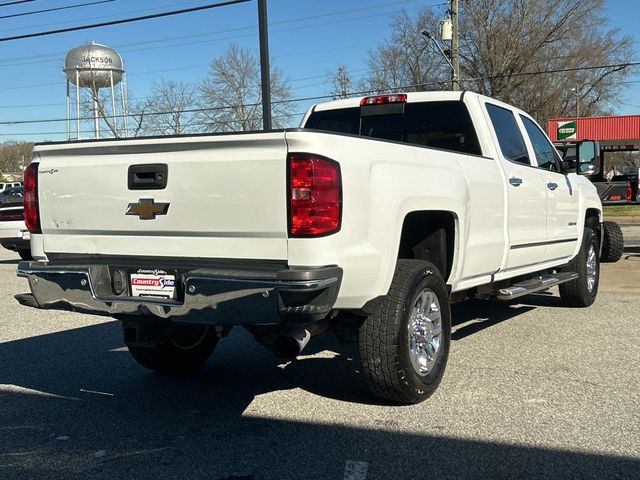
113	106
123	99
96	121
78	104
68	114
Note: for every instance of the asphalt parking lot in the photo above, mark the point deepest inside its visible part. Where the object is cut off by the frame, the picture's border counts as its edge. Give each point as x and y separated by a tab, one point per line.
532	390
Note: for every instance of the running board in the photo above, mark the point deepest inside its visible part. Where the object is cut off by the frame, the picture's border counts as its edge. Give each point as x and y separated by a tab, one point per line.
529	286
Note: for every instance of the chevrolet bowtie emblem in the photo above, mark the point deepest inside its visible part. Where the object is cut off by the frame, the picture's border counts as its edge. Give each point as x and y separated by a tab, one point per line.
147	209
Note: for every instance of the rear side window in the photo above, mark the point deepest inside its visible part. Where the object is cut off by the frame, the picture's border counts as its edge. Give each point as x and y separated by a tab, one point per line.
509	135
344	120
446	125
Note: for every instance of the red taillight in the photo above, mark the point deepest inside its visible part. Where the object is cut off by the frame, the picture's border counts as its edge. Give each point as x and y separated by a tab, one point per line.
30	198
382	99
315	195
629	192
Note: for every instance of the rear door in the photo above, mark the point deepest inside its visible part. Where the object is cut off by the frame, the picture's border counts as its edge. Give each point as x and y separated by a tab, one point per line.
526	196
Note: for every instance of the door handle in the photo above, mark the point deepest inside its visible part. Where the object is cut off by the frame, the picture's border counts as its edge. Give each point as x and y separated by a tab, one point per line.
148	176
515	181
552	186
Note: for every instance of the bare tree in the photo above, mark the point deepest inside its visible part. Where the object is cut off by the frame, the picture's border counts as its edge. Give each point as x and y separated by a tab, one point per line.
341	83
407	60
169	110
14	156
231	93
95	101
137	117
505	45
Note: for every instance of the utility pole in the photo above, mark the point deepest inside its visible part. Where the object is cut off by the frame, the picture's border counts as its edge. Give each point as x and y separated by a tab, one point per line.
264	64
455	62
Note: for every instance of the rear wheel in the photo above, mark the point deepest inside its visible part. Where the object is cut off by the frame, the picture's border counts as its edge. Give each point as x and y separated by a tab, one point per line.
612	242
404	346
582	291
184	351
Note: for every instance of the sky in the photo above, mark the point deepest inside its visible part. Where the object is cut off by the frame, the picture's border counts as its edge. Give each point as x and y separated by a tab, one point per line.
307	40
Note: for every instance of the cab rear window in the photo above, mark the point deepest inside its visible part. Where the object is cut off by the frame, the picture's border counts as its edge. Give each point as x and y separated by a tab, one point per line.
446	125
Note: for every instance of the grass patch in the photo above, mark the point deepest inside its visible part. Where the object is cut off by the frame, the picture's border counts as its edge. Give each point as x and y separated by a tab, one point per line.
622	210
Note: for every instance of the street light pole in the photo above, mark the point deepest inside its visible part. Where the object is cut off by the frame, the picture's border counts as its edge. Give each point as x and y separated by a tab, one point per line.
577	90
428	36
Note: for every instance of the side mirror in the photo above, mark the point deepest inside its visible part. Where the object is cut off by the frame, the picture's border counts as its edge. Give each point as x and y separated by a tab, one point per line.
588	158
587	169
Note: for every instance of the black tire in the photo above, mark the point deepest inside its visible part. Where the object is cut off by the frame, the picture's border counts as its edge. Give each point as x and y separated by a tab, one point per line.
580	292
25	254
612	242
383	338
184	352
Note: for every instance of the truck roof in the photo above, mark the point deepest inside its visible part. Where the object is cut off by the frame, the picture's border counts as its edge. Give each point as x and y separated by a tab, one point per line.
411	97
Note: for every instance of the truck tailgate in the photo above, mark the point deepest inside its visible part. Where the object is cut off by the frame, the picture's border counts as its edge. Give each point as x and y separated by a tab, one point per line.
226	197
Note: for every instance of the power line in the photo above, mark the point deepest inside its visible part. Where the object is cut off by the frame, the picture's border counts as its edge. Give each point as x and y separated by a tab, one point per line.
123	20
363	92
62	104
396	2
95	17
37	58
147	129
619	66
5	4
35	12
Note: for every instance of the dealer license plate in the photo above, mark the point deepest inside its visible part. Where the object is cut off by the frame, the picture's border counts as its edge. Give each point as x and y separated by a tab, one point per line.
153	283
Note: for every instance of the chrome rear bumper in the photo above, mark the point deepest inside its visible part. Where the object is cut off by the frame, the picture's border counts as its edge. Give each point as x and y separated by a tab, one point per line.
207	296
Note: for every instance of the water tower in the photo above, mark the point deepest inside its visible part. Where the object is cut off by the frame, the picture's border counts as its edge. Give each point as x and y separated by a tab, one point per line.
91	68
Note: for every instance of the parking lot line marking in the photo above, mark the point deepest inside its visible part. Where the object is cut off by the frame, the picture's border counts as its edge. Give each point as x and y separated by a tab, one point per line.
16	389
97	393
355	470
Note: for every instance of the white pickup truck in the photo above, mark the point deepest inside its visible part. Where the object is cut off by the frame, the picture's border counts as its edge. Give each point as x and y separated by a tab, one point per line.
370	219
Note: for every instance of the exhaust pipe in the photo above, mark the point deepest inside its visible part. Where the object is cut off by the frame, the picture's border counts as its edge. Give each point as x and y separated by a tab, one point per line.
291	344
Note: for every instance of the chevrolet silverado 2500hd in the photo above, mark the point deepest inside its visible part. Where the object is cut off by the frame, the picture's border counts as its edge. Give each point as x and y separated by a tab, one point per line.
369	219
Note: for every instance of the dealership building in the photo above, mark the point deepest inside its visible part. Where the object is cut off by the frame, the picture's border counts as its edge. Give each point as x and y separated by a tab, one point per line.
615	133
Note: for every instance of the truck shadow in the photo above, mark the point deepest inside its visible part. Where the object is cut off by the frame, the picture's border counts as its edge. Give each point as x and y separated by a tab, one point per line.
473	316
74	405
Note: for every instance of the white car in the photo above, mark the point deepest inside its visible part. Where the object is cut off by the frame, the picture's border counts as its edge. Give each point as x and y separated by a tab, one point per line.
6	185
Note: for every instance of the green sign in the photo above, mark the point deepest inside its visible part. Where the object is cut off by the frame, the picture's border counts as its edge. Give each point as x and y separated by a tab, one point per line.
567	130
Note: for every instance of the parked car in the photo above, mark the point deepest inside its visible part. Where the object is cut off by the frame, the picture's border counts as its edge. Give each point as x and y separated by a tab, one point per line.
7	185
11	196
13	231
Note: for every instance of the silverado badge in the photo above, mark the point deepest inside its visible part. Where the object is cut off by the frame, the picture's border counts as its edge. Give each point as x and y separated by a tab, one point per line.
147	209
